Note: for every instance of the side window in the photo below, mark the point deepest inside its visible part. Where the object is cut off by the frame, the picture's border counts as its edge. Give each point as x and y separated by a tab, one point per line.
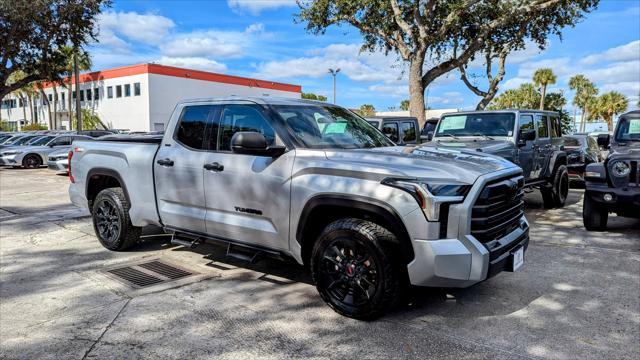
238	118
556	130
391	130
408	131
543	127
110	92
65	140
525	123
192	124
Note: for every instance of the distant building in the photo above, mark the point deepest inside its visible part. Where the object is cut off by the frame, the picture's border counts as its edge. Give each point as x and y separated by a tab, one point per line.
138	97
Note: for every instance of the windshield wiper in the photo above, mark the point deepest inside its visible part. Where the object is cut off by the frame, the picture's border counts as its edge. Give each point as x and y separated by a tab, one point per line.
450	135
484	136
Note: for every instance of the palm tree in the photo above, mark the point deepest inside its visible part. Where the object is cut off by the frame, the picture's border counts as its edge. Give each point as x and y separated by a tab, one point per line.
84	64
542	78
608	105
586	92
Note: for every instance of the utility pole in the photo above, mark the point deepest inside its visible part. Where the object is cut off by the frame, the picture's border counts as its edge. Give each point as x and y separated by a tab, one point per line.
77	78
334	73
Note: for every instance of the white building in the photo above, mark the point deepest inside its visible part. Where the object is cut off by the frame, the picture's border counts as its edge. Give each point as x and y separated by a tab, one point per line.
137	98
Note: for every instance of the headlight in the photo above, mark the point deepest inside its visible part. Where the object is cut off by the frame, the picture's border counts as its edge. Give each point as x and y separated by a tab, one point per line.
620	169
430	195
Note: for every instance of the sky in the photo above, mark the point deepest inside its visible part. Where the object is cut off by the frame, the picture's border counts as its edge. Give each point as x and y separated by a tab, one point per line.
262	39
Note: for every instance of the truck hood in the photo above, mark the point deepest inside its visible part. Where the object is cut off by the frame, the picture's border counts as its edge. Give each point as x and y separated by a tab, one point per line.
431	162
477	144
630	149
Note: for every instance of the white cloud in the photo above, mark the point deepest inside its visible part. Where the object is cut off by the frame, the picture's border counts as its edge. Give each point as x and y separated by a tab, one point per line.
255	7
146	28
397	91
197	63
203	43
630	51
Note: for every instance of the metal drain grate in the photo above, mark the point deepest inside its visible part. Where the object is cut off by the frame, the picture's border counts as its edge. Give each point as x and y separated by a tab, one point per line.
148	273
166	270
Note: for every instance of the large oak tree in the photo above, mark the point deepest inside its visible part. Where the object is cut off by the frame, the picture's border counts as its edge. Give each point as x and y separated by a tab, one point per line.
447	32
32	31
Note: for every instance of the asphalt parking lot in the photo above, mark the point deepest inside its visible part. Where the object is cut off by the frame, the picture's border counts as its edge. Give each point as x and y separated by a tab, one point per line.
578	296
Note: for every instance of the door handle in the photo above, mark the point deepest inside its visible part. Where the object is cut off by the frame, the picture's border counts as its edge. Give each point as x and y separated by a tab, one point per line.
214	167
165	162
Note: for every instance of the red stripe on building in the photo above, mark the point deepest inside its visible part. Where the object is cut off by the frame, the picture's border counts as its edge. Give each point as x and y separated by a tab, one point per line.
183	73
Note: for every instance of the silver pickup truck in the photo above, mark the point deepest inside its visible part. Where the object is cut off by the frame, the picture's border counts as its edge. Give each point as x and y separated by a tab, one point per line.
316	183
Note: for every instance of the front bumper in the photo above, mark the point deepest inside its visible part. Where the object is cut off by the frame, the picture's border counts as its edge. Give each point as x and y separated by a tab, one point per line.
624	202
8	160
60	165
449	262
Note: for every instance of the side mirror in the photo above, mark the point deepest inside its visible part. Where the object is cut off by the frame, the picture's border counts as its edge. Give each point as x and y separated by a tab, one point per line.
429	135
604	140
254	143
526	135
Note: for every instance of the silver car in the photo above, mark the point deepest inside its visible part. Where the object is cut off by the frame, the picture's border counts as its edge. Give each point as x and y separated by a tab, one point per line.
59	160
37	153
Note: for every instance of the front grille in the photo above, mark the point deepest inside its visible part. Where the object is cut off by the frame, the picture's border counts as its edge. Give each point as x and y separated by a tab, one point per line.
498	209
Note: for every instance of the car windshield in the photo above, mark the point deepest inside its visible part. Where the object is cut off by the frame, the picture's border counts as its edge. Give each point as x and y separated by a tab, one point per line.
574	142
628	130
41	141
325	126
482	124
23	140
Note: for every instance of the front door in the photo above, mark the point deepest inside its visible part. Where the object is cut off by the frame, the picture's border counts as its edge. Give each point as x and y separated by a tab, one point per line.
525	158
178	170
247	197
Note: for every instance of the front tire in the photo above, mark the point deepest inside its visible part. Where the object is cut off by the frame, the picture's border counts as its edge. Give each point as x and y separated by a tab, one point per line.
356	267
111	221
556	194
31	161
594	217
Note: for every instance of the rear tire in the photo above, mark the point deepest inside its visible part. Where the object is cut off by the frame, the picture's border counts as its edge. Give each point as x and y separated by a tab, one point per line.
111	221
357	268
31	161
594	217
556	194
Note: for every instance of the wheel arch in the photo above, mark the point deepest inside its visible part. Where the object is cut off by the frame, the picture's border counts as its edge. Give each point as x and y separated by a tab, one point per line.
333	207
99	179
559	158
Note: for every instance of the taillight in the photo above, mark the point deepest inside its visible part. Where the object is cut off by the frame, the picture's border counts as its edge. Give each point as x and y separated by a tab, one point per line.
70	174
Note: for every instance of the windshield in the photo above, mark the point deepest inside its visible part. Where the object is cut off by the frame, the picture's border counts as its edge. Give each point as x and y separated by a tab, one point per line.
628	130
41	141
574	141
23	140
482	124
4	138
325	127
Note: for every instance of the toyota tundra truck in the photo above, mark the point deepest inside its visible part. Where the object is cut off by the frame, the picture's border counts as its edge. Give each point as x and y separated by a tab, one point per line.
313	182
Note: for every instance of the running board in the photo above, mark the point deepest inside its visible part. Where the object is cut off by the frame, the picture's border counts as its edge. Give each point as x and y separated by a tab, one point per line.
191	244
242	253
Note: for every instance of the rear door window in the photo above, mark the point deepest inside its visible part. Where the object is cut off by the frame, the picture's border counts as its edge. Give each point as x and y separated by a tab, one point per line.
408	131
391	130
192	126
543	127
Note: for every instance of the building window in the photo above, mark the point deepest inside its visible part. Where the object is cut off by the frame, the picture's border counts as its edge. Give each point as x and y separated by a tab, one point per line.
110	92
62	102
73	95
88	94
96	94
136	89
127	90
118	90
49	97
81	95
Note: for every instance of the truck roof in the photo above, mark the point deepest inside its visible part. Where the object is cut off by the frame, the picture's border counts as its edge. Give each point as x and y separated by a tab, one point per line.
261	100
501	111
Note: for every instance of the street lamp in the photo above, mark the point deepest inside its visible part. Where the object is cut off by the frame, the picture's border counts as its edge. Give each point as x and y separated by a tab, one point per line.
334	73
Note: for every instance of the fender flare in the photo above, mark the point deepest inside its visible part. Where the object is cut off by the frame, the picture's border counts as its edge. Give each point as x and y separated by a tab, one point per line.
106	172
559	158
373	206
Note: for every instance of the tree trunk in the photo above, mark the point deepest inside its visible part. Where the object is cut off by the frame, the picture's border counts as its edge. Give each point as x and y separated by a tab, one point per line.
416	91
583	119
46	100
31	113
54	122
24	108
70	111
544	93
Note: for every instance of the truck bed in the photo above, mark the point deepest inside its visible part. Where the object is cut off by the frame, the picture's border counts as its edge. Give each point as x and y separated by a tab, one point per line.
130	160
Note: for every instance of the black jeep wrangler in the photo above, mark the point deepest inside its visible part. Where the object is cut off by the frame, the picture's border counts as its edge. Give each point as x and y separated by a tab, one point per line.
614	186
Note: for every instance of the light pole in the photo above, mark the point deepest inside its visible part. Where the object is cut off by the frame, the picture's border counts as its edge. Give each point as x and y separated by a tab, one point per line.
334	73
